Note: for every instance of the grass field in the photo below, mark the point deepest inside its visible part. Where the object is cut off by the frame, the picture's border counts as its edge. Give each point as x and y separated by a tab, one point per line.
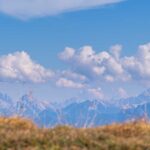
21	134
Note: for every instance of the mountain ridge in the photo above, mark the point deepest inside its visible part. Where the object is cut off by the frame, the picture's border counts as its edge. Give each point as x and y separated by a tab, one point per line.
86	113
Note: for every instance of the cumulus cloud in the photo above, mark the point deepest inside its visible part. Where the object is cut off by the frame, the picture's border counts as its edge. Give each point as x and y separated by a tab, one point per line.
96	93
116	51
122	93
67	54
105	65
139	65
86	69
20	67
63	82
38	8
109	78
110	65
73	75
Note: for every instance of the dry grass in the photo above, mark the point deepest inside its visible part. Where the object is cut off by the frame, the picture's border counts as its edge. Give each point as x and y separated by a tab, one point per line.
21	134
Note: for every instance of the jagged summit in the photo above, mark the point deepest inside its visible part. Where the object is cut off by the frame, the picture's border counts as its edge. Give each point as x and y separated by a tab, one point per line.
146	93
85	113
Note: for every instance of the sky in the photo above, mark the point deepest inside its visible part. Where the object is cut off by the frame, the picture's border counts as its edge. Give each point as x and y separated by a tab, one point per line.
83	49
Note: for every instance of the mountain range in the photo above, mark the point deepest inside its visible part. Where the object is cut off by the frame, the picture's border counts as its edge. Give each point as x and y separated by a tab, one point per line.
86	113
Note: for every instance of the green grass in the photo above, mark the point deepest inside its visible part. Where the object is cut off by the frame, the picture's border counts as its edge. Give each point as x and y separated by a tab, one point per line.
21	134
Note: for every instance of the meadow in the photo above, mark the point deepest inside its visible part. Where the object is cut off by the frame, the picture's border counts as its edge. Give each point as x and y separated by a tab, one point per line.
22	134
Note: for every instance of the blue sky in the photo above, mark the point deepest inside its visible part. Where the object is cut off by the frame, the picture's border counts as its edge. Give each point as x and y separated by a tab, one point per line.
44	37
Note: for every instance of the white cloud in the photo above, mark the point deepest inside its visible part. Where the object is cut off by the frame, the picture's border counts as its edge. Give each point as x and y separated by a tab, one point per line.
116	51
109	78
73	75
86	68
122	93
38	8
67	54
98	70
139	65
96	93
105	65
19	66
110	66
63	82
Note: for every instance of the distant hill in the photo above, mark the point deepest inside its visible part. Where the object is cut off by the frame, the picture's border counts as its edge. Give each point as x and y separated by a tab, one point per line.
20	134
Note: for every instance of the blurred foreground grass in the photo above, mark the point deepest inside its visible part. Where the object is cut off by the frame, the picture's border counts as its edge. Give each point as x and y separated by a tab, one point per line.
21	134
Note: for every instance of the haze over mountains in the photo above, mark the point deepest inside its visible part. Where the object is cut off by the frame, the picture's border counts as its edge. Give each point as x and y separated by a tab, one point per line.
86	113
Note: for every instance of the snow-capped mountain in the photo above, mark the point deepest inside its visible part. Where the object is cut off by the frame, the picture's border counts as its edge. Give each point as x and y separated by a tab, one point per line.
135	101
28	106
31	108
84	113
89	113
